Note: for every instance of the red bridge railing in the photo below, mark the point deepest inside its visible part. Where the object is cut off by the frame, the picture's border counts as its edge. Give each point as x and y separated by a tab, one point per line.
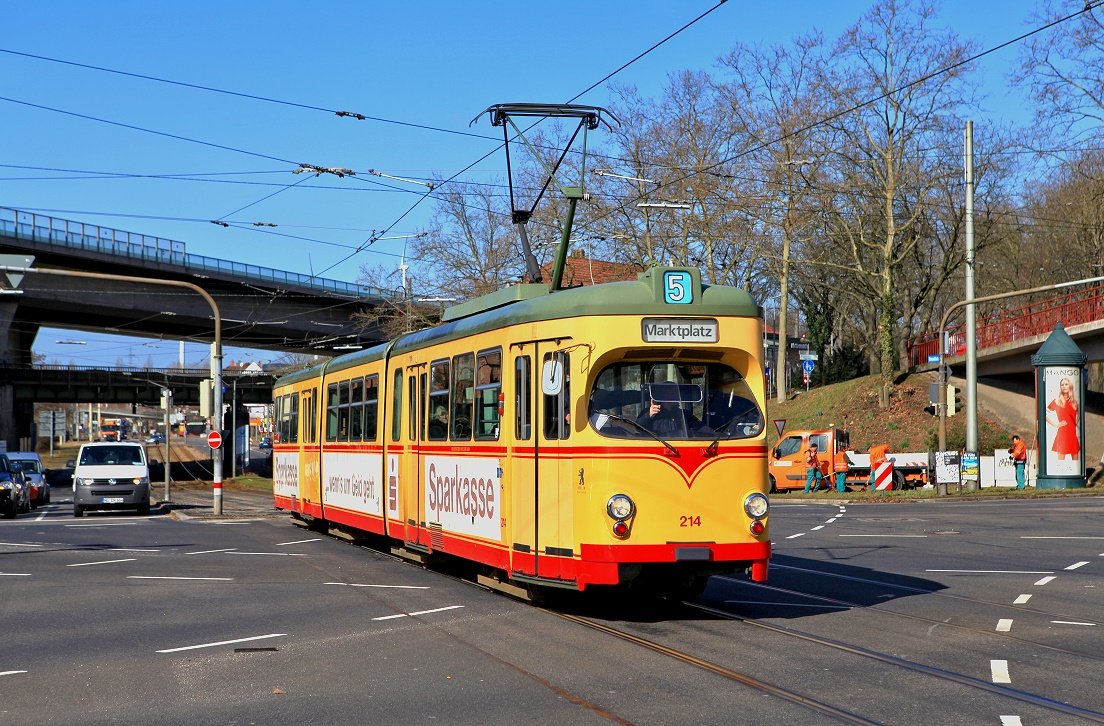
1001	327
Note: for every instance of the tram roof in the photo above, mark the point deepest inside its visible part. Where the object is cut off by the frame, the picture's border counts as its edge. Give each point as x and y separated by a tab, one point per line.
534	303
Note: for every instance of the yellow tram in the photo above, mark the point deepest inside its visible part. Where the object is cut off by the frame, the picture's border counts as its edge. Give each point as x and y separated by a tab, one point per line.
605	435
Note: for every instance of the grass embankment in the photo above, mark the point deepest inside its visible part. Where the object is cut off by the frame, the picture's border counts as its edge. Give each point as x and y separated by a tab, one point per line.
907	425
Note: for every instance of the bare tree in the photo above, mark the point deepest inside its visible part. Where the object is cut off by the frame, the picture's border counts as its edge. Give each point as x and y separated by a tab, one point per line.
904	80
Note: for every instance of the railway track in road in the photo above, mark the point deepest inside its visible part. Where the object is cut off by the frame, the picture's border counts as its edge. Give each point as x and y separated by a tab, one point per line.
824	709
892	660
818	706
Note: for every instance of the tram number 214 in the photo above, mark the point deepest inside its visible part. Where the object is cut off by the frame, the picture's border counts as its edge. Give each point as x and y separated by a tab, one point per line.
690	520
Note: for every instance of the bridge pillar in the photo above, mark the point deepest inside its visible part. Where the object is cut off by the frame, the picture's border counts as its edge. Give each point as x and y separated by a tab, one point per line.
16	339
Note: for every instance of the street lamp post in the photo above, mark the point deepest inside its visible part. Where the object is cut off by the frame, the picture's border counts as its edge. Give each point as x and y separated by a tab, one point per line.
216	349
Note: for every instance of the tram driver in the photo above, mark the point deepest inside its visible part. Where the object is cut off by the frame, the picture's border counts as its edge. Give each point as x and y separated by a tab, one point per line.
665	415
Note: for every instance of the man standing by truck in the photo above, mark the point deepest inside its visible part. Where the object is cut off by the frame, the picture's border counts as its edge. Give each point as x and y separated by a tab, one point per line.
840	465
812	468
1018	452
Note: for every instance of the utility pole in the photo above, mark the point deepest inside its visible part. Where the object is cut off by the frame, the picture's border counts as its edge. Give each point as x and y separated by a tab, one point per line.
971	310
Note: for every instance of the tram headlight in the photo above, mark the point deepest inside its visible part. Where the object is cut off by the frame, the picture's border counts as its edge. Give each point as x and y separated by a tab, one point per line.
756	505
620	507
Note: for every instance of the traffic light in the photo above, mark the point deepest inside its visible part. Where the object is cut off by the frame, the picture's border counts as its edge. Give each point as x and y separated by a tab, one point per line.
952	400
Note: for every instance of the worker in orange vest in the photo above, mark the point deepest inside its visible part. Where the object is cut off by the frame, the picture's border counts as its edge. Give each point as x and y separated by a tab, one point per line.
840	465
812	468
878	454
1018	452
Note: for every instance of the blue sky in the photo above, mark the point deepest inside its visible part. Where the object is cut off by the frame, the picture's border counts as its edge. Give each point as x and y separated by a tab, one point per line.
432	64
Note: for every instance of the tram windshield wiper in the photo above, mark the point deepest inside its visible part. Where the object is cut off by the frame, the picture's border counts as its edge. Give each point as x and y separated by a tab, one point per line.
643	428
712	448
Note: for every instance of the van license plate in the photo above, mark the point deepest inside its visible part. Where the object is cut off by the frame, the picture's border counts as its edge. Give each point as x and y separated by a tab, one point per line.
111	500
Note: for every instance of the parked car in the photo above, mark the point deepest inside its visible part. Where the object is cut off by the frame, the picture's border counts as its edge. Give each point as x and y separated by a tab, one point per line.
15	495
155	438
31	465
266	443
111	475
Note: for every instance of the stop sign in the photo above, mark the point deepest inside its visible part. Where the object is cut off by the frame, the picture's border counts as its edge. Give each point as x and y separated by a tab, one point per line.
214	439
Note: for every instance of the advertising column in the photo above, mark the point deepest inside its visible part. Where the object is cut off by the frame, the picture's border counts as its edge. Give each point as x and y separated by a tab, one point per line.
1060	414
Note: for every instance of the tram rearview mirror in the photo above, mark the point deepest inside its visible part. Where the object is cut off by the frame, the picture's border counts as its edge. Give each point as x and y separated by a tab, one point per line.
552	377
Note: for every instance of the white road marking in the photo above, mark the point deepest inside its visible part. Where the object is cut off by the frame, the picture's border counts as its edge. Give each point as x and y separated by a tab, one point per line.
396	587
999	669
1057	537
237	521
207	552
299	541
1004	625
156	577
222	642
273	554
1021	600
920	536
105	524
1045	580
819	526
1011	721
15	574
829	521
799	534
123	549
104	562
41	517
1076	565
420	612
1071	622
18	544
999	572
10	673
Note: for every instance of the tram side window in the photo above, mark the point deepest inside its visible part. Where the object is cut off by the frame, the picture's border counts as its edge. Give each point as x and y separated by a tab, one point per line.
333	403
280	402
343	411
356	409
463	393
293	419
412	405
523	394
438	400
557	408
312	412
371	406
488	386
396	407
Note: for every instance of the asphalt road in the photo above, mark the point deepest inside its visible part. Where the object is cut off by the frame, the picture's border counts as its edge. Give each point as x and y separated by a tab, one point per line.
972	612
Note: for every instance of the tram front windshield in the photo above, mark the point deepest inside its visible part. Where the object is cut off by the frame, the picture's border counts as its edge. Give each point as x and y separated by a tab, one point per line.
673	401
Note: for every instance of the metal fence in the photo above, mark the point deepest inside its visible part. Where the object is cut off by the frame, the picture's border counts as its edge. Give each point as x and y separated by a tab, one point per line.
71	235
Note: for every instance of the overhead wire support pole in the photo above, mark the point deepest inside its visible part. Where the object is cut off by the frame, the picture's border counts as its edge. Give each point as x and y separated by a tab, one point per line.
590	118
216	350
941	405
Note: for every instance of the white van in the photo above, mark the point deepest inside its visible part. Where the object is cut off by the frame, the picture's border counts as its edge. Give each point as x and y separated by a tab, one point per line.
111	475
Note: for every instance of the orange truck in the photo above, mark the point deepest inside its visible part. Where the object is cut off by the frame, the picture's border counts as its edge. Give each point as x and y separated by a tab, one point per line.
786	465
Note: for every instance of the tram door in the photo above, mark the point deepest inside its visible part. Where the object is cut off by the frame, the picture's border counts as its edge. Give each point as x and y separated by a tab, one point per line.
414	471
541	515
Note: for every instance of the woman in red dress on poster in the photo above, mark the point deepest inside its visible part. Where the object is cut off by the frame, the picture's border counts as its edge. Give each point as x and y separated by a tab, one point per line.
1066	442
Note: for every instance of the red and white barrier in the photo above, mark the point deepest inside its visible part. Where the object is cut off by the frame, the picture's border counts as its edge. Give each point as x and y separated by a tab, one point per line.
883	476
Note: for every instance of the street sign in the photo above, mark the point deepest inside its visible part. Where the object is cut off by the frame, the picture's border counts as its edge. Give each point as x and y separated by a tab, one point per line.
933	357
808	366
14	278
214	439
808	356
780	425
805	379
51	423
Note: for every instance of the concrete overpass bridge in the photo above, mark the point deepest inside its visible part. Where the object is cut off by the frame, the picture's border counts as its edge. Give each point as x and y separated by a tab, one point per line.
260	307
